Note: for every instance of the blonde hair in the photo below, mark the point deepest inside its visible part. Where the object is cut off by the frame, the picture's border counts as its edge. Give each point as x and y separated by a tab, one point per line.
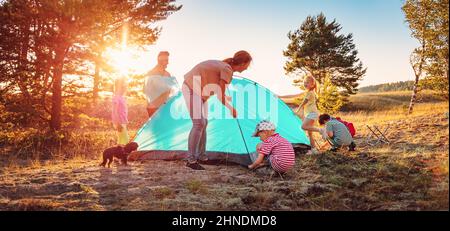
310	77
120	86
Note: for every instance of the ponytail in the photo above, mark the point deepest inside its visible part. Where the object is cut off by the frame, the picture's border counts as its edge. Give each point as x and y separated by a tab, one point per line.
229	61
241	57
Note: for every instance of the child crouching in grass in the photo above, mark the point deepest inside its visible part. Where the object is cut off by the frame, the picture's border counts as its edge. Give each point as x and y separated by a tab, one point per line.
274	149
336	132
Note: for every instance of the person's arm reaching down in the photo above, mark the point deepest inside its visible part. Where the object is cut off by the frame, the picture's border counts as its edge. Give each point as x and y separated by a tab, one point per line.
226	100
257	162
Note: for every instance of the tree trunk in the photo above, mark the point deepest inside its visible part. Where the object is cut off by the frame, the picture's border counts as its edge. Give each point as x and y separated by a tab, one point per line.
95	90
414	95
446	75
55	121
417	73
23	62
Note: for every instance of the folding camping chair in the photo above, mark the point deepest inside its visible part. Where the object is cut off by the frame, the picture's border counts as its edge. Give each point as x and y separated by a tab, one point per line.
376	136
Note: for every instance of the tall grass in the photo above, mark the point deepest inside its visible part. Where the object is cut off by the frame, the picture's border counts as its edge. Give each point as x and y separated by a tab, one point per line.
376	102
85	134
92	132
389	114
43	145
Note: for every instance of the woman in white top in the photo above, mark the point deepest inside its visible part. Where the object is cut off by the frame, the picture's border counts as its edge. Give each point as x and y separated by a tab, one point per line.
159	85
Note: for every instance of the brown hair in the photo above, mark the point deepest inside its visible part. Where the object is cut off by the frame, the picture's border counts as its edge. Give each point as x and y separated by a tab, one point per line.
239	58
323	118
165	53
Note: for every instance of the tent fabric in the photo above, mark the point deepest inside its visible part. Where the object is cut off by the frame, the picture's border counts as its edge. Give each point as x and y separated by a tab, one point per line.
156	85
165	135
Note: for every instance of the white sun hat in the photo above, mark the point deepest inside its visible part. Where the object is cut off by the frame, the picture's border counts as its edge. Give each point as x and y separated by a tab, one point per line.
264	125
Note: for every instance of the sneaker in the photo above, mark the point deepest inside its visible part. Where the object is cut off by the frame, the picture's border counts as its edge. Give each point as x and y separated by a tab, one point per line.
352	146
195	166
203	158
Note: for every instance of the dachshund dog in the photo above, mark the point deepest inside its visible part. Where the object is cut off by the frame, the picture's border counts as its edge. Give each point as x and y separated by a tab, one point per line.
119	152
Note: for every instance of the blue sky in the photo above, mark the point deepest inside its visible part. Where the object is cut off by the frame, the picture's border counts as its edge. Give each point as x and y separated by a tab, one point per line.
214	29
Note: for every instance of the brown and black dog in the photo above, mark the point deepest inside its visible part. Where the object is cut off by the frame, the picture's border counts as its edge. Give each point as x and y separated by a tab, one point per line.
119	152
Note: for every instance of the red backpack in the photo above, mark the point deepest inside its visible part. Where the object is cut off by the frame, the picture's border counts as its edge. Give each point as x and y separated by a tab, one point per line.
349	126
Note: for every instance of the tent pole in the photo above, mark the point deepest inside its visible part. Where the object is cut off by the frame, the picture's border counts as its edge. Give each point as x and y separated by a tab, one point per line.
240	129
242	134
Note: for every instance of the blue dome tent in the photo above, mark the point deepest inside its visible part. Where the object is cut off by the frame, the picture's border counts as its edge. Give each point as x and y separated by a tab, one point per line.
165	135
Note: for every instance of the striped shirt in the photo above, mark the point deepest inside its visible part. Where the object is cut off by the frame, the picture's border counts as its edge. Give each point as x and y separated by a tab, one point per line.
280	151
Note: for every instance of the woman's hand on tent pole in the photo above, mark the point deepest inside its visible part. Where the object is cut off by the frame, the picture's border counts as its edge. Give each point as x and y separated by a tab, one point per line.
232	110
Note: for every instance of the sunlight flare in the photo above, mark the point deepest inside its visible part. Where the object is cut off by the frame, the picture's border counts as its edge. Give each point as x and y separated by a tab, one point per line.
126	60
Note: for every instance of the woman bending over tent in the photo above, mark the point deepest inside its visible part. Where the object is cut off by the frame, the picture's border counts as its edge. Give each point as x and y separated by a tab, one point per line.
208	75
159	84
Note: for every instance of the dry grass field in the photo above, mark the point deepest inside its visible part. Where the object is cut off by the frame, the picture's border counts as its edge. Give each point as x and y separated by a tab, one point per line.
410	173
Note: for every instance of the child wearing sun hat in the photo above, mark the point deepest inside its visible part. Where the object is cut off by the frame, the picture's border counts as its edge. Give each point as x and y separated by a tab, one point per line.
273	148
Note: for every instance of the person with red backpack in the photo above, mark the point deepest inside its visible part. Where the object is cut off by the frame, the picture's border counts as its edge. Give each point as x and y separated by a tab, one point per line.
352	131
349	125
337	132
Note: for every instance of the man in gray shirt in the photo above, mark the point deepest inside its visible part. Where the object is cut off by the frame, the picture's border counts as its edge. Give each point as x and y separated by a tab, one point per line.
336	132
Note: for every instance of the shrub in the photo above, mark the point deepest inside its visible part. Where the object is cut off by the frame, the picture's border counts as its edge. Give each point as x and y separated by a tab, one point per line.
44	144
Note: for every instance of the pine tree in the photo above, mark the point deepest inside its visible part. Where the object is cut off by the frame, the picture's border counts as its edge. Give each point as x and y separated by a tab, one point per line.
329	100
41	41
318	48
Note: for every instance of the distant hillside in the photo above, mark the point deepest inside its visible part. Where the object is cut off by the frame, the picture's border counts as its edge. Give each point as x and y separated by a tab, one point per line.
380	101
374	101
386	87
